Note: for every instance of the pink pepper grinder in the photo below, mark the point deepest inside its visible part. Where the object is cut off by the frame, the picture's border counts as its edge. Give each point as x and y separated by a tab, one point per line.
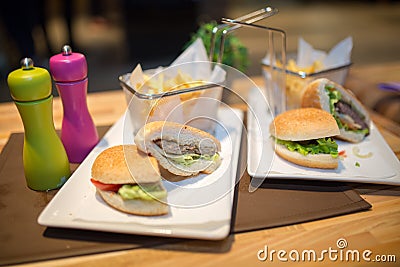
78	132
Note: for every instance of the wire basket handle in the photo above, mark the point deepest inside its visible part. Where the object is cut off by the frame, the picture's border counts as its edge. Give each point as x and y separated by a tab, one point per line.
228	27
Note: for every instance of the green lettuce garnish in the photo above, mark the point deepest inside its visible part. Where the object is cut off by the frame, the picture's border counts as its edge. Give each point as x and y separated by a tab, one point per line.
334	97
362	131
143	192
316	146
235	53
189	159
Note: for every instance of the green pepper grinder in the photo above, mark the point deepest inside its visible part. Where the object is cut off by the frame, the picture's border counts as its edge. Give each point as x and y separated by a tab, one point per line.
45	160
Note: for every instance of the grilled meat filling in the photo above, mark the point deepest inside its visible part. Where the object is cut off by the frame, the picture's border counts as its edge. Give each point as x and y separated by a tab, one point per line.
350	117
171	147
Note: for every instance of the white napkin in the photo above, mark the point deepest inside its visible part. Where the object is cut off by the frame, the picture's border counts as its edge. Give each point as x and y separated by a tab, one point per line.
339	55
194	62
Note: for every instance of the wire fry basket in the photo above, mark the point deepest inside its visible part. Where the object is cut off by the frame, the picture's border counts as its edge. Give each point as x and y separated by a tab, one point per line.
275	72
146	106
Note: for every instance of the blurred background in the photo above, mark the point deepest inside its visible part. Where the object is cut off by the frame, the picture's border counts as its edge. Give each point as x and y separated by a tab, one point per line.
117	35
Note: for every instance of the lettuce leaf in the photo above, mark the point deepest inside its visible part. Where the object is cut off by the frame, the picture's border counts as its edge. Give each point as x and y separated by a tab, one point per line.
334	97
235	53
316	146
189	159
144	192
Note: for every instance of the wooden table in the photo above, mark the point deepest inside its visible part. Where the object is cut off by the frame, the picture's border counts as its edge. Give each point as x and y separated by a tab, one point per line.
377	230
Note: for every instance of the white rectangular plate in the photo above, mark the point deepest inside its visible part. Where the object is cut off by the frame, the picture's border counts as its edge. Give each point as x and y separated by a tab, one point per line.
77	205
382	167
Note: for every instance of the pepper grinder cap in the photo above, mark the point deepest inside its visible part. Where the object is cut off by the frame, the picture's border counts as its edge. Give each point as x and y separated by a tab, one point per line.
29	83
68	66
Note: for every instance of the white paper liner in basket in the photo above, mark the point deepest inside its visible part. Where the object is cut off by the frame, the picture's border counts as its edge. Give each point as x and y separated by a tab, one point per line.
307	55
332	65
199	111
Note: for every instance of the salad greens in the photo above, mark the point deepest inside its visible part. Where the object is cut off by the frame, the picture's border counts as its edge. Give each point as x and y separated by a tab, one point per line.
235	53
143	192
334	97
316	146
189	159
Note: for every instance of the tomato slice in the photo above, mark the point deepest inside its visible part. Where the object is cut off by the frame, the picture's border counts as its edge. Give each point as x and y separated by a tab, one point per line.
105	187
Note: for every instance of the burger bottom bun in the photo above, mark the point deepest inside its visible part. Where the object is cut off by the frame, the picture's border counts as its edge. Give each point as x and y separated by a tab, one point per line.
323	161
135	206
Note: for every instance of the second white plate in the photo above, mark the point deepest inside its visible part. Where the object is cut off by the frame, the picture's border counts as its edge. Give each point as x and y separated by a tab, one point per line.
382	167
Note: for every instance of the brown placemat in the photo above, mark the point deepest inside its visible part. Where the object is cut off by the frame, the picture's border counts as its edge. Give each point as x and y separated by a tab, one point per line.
276	203
293	201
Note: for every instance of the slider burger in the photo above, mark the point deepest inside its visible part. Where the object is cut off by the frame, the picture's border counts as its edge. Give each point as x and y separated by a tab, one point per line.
135	190
352	118
181	149
303	136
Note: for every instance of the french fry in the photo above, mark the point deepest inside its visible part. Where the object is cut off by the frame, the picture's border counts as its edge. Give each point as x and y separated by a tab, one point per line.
295	84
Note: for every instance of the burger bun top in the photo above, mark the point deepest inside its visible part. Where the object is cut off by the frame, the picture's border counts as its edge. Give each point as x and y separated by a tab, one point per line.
304	124
125	164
